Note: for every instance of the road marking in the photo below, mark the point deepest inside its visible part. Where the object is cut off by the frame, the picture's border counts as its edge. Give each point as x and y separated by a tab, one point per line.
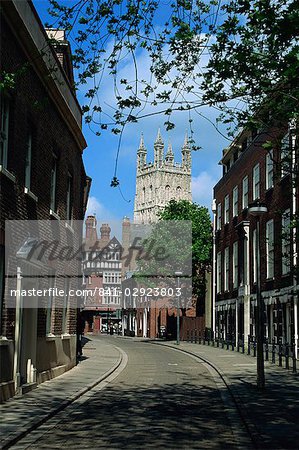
226	356
172	364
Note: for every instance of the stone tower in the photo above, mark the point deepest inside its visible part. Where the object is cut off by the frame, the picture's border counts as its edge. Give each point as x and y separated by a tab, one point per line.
159	182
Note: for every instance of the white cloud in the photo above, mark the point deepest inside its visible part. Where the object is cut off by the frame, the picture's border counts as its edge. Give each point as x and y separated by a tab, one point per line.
103	215
202	189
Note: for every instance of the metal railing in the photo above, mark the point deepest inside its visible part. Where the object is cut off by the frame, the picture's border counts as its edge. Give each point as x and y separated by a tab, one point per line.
282	354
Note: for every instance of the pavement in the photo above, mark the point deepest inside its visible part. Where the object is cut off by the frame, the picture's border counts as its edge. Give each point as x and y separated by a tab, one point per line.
22	414
271	417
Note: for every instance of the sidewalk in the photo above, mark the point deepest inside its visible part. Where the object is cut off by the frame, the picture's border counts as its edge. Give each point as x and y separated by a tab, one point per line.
22	414
272	417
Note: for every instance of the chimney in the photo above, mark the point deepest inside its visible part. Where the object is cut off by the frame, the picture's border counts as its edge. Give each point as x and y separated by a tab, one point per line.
91	229
105	233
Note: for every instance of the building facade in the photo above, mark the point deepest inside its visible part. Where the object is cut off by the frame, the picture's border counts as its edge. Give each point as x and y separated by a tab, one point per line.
257	167
42	178
102	272
160	181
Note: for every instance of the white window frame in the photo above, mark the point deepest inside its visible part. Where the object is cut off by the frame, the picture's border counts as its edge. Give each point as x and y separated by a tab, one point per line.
53	187
270	249
69	199
4	131
50	307
66	305
226	269
286	242
256	182
285	154
218	264
219	218
269	170
245	192
235	201
235	264
226	209
28	162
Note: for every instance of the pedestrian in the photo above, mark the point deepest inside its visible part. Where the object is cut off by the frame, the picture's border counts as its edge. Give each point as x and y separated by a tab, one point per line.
80	333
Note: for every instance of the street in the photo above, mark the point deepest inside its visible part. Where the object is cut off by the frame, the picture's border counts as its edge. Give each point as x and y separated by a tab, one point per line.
162	399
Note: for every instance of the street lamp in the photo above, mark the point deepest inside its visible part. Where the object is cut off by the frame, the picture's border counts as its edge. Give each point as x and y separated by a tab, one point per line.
178	275
257	209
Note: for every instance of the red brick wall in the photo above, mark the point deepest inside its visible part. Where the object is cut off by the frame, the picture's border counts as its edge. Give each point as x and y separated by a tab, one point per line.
32	109
277	200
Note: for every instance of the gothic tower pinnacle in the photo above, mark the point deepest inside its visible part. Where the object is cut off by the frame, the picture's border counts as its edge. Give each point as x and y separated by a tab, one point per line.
158	150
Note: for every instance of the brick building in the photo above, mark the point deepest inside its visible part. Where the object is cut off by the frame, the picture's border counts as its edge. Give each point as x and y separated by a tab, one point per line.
102	277
253	173
42	178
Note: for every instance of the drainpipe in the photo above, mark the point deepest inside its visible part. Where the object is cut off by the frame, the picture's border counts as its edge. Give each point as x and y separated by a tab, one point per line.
18	330
294	212
213	306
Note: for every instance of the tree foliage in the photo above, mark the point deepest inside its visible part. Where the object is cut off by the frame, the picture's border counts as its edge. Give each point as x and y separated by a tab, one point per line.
201	238
234	55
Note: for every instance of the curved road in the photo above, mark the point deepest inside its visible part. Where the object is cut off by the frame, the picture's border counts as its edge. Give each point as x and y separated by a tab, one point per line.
162	399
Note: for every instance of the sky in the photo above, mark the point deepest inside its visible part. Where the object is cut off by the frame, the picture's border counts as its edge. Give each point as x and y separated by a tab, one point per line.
112	204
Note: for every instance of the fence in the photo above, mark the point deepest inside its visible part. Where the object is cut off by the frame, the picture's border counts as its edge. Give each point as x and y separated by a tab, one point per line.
283	354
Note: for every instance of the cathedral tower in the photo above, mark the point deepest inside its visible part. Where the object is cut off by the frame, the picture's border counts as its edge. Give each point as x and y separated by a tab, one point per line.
159	182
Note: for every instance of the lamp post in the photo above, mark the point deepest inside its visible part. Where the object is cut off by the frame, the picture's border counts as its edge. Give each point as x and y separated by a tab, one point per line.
178	275
257	209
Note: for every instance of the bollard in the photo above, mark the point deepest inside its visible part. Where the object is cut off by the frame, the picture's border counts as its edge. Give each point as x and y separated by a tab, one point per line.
294	359
273	351
267	350
243	345
254	348
233	346
192	336
227	345
222	343
248	350
287	356
280	353
195	333
217	341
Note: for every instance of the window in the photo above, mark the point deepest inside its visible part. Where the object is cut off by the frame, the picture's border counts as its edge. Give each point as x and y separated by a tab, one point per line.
270	248
218	272
226	208
167	193
53	184
69	198
178	192
219	216
226	269
256	182
286	242
235	264
65	305
28	162
143	195
50	305
245	192
269	169
235	201
2	278
285	155
254	256
4	130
